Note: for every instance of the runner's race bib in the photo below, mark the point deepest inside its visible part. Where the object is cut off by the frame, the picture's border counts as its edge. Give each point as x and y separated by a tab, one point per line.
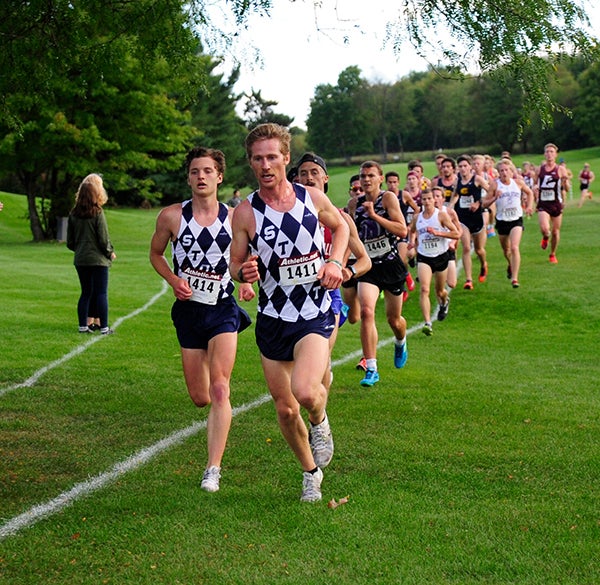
465	201
510	213
547	195
205	285
300	269
379	247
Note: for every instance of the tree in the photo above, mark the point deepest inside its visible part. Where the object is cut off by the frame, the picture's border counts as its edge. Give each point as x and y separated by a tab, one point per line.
526	38
587	113
379	106
495	112
216	123
402	120
87	88
335	122
259	110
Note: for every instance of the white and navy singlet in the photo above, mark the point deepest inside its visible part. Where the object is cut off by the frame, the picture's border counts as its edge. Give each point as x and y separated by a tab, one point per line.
290	249
508	203
201	255
428	244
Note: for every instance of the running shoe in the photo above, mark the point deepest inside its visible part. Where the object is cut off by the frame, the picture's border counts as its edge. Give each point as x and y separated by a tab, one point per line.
509	272
427	329
490	231
400	354
468	285
483	272
553	259
515	284
544	243
410	283
321	443
85	329
362	364
404	296
106	331
210	479
443	310
311	486
371	378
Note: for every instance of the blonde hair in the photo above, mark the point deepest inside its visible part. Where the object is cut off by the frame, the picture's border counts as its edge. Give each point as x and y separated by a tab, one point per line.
506	161
90	197
266	132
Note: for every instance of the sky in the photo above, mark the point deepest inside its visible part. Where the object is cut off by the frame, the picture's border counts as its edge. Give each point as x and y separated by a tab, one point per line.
297	48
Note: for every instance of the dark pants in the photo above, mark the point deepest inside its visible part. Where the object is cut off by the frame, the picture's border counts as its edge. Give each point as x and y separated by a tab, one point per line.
94	293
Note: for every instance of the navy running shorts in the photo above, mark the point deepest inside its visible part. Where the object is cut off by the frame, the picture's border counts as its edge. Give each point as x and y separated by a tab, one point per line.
436	263
388	275
196	323
504	227
276	338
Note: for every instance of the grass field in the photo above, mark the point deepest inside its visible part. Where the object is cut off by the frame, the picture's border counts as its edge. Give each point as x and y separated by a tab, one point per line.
477	463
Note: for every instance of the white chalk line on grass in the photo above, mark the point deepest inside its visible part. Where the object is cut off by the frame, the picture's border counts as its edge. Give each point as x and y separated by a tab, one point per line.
81	348
85	488
89	486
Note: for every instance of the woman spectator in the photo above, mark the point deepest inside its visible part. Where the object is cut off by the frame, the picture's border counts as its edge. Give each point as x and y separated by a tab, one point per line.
87	236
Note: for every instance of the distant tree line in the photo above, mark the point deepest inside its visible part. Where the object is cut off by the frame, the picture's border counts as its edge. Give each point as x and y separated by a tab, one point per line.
125	89
431	111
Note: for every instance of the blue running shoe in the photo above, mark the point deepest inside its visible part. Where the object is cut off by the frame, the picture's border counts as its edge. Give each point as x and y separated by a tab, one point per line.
343	314
371	377
400	354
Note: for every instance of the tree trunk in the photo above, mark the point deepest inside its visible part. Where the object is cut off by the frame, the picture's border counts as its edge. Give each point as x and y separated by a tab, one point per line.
34	219
384	148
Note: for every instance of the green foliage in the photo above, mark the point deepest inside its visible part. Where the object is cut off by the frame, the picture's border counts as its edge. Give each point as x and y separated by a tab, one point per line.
336	118
432	110
527	38
587	112
258	110
112	87
123	88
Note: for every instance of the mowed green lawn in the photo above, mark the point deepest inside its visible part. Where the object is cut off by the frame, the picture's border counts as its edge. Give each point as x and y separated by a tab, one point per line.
477	463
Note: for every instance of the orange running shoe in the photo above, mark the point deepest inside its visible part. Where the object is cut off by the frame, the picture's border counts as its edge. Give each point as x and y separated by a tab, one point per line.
483	272
553	259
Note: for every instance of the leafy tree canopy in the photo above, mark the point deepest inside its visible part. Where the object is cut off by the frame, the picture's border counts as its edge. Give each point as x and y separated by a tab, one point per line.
518	42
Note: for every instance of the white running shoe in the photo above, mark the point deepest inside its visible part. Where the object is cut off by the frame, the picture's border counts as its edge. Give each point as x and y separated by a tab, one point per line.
321	442
311	486
210	479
